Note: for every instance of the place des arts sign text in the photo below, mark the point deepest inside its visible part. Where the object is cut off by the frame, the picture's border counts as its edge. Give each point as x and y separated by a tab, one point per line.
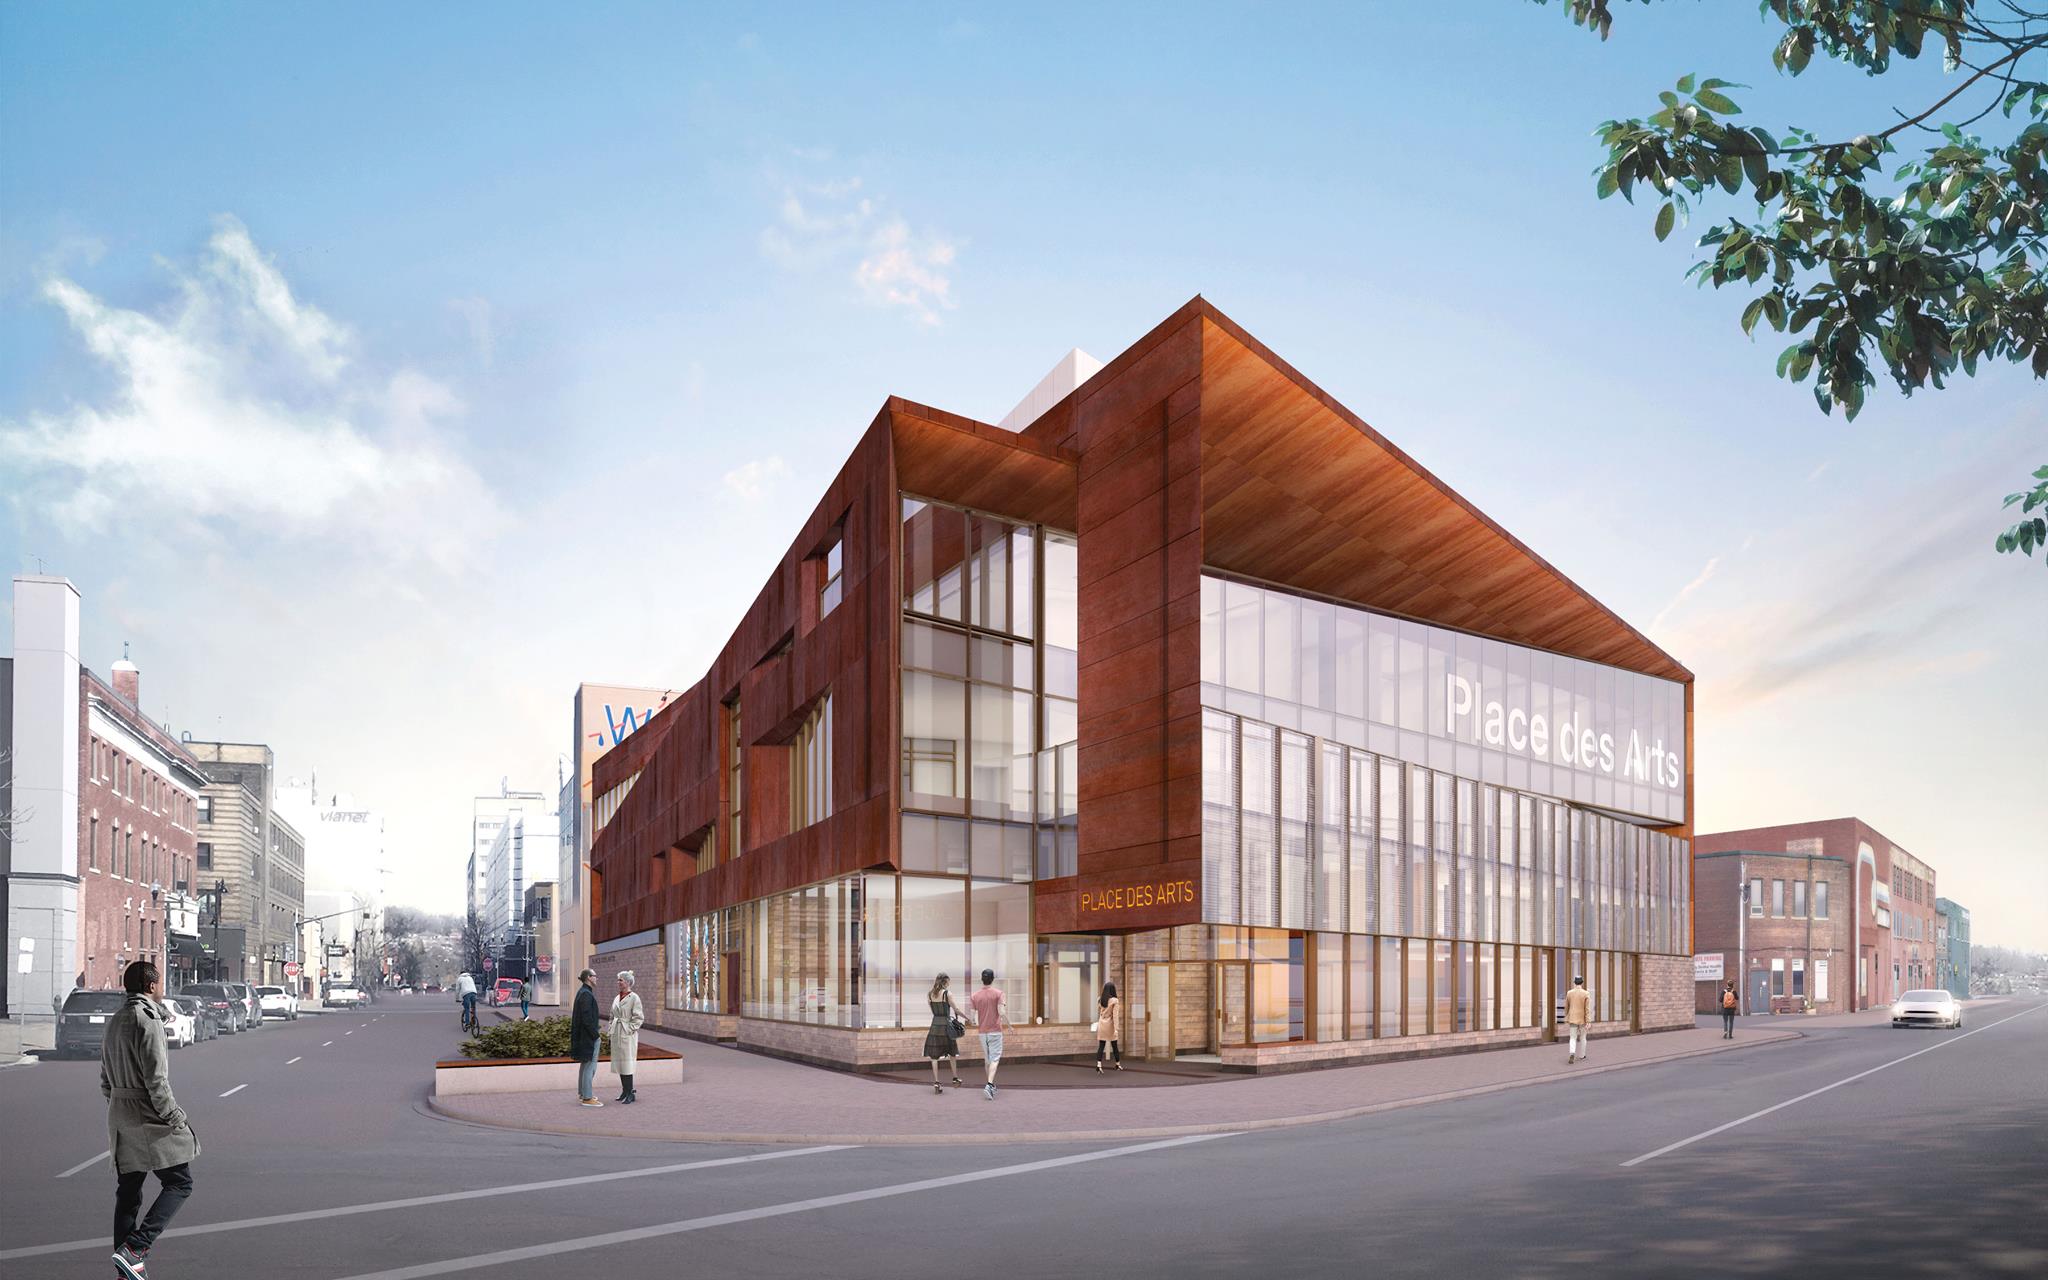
1576	742
1130	897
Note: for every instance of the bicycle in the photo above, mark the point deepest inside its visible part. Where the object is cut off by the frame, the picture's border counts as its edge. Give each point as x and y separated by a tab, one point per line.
470	1023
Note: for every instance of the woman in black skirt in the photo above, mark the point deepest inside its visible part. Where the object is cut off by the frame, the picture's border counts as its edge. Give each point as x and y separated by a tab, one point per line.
942	1041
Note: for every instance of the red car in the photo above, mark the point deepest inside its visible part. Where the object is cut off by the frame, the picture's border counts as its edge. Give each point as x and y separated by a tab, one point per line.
506	991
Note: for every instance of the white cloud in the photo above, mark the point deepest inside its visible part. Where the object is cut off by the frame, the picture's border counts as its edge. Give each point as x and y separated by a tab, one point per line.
239	411
1699	580
476	317
821	225
906	271
750	481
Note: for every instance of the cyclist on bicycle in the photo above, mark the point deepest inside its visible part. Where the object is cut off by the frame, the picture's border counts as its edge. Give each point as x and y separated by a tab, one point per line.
465	987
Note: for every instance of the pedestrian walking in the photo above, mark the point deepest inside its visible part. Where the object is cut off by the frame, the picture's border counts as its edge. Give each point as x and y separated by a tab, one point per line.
147	1131
525	1000
1109	1013
1728	1003
989	1020
1578	1011
948	1025
627	1016
583	1037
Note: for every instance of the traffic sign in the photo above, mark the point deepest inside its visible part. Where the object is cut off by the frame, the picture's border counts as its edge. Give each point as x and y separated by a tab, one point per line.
490	962
544	964
291	969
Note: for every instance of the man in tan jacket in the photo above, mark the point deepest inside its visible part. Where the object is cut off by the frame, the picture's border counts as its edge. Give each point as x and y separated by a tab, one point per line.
1578	1015
146	1128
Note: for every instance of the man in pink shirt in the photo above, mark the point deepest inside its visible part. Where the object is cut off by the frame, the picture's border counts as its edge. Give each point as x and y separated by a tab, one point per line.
989	1020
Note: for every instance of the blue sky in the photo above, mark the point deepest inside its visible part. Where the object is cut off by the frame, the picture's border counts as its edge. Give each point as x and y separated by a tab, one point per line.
381	372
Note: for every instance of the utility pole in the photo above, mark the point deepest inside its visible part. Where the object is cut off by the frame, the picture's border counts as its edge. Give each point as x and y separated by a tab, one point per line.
1742	932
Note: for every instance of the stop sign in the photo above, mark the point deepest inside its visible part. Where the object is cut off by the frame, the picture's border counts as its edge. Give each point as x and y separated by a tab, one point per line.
291	969
544	964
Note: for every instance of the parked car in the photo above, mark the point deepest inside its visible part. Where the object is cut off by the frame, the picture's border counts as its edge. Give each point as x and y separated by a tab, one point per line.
252	1008
204	1027
344	994
222	1005
180	1029
277	1002
1934	1008
505	991
82	1025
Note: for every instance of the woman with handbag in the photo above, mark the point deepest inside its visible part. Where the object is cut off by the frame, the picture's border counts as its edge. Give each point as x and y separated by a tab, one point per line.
1109	1016
948	1025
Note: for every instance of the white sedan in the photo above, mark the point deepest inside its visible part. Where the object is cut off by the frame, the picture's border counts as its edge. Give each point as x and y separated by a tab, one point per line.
180	1027
277	1002
1927	1009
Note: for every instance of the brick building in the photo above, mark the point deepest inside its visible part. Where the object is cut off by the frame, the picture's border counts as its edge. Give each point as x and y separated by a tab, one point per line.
1825	901
101	858
1193	682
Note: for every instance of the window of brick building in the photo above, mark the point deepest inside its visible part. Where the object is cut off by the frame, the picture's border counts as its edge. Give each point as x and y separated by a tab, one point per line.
829	566
1777	897
1777	977
1799	897
810	774
1798	977
1756	896
92	844
1820	899
205	855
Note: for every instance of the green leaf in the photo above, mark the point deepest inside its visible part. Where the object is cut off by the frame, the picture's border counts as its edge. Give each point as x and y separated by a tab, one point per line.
1713	101
1606	186
1685	83
1666	218
1751	313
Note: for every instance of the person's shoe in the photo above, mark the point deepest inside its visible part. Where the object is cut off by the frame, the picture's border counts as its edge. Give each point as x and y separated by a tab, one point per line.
130	1264
1570	1058
958	1083
1098	1066
988	1091
632	1098
590	1102
937	1087
1119	1066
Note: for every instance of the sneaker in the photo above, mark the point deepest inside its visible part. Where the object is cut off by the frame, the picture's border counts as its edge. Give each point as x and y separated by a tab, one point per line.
988	1091
1570	1058
590	1102
130	1263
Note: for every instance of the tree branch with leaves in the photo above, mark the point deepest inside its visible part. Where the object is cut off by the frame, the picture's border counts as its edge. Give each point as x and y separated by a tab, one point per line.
1923	265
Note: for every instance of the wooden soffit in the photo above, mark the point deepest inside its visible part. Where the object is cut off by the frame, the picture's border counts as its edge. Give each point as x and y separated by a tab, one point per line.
954	459
1297	490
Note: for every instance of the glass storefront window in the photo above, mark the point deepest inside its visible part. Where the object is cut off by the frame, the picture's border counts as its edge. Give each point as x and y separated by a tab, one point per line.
934	929
934	742
1363	986
1329	987
999	925
1257	785
880	1003
1070	977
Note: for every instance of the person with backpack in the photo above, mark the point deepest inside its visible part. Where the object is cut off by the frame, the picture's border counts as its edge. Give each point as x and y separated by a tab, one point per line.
1728	1003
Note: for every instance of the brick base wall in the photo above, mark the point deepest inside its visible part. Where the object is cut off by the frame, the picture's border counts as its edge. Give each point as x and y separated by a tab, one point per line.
645	962
877	1049
1667	993
714	1028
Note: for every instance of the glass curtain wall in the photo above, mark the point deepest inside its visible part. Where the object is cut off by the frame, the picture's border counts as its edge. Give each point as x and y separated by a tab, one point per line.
1479	709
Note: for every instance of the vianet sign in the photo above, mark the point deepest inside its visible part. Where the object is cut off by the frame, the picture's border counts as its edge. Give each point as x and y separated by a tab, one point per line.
1169	893
1571	741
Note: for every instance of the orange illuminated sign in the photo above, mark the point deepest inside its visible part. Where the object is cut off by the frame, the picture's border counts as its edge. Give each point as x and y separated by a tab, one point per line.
1168	893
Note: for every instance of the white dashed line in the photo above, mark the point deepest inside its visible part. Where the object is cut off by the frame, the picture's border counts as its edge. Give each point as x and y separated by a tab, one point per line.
232	1092
293	1060
325	1043
85	1165
348	1033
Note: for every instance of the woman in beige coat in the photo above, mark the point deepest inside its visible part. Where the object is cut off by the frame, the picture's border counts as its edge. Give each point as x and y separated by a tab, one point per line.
627	1015
1109	1016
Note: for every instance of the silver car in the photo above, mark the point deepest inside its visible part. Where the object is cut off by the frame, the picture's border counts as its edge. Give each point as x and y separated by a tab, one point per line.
1927	1009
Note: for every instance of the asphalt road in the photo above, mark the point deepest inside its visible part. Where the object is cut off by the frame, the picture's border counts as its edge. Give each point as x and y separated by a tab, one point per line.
1914	1152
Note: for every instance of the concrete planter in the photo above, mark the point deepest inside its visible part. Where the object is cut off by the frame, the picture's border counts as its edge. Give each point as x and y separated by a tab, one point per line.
541	1075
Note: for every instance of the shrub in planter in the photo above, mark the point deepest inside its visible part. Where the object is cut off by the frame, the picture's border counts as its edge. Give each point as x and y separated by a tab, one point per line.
540	1038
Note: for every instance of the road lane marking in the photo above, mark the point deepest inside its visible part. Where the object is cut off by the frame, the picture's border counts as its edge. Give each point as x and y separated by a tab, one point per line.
232	1092
86	1164
325	1043
346	1033
1758	1115
294	1060
582	1244
413	1202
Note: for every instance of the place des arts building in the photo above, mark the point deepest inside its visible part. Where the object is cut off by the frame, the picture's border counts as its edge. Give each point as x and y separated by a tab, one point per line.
1194	683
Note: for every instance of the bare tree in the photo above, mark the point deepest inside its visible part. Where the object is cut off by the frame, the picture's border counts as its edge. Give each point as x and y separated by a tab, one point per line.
11	820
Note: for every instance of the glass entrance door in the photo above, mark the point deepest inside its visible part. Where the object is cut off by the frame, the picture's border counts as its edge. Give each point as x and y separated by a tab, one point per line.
1230	1020
1158	1010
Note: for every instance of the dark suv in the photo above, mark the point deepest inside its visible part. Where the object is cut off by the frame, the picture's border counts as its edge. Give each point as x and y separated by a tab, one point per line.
82	1026
221	1004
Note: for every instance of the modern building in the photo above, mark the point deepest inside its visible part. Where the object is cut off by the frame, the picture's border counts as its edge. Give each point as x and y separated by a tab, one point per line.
253	856
97	826
536	954
602	716
1952	947
344	842
1194	682
334	929
526	848
1877	917
488	815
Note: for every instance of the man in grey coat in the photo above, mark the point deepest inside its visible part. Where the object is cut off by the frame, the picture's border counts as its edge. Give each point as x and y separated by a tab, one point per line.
147	1130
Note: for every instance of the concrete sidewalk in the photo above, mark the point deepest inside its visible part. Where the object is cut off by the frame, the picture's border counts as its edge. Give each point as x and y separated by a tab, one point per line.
731	1096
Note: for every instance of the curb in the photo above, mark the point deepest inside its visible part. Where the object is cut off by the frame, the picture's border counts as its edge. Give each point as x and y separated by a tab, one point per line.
434	1108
